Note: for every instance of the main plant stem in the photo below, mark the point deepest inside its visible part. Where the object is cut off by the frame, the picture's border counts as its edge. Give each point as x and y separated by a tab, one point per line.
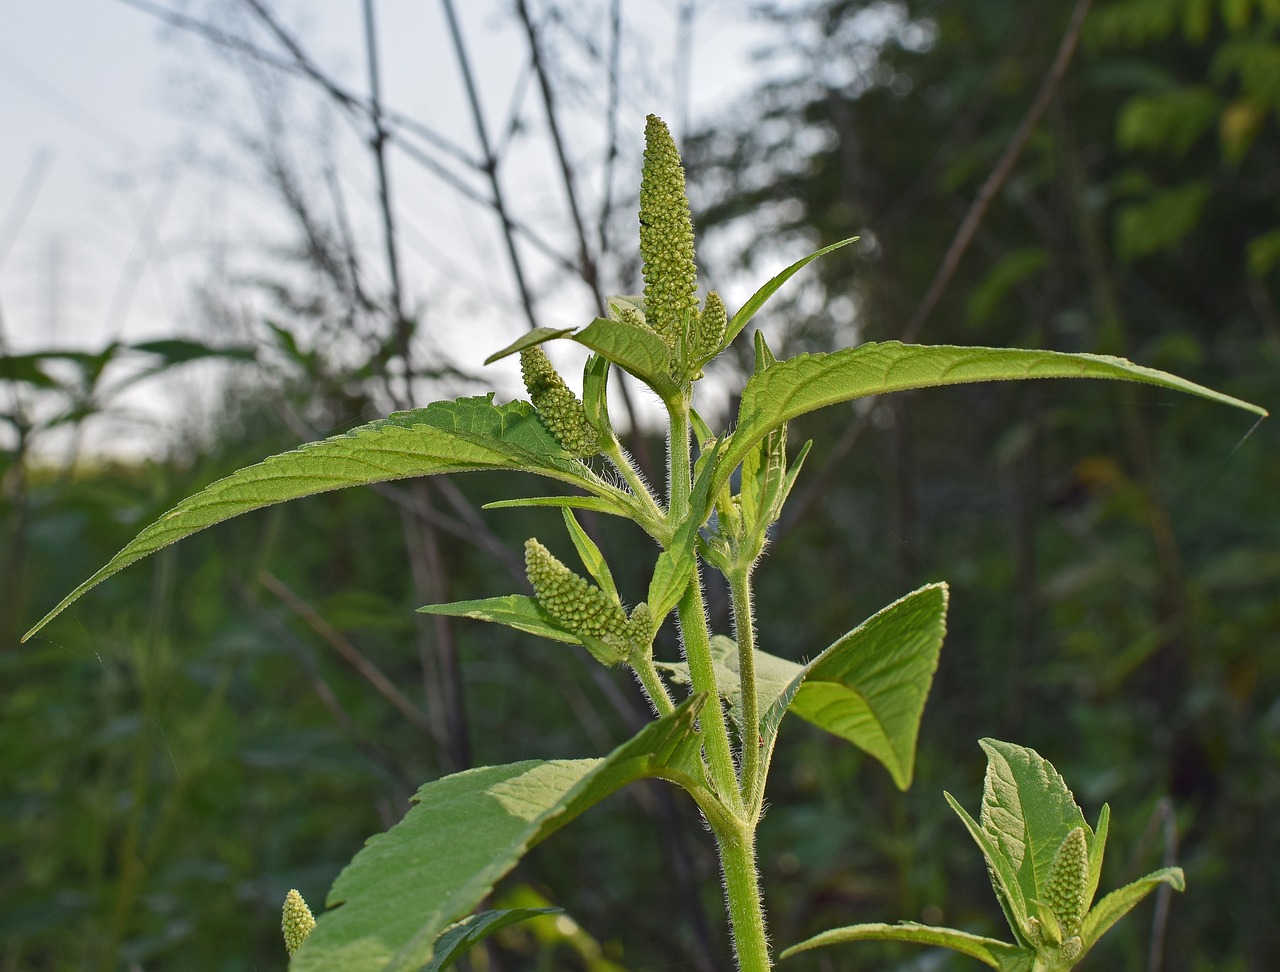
742	888
744	629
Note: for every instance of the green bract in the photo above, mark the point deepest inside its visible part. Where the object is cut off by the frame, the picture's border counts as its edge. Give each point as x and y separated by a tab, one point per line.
405	902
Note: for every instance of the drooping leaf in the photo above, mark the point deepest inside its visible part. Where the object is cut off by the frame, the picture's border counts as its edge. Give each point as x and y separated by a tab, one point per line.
465	435
989	951
758	299
460	938
390	904
1120	902
811	381
1027	811
592	503
870	686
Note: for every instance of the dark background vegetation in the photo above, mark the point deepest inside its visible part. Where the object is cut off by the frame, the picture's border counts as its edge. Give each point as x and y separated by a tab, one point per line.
203	732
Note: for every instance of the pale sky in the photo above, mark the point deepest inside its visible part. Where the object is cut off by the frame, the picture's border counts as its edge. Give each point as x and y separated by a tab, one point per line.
122	184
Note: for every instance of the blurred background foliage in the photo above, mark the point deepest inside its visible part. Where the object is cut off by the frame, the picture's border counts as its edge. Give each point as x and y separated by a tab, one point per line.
233	718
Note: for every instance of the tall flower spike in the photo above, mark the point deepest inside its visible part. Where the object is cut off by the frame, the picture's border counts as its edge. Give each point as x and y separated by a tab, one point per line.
1068	878
577	604
666	236
558	407
296	921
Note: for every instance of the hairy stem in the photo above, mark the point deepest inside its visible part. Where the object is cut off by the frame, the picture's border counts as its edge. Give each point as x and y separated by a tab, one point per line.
653	685
744	631
626	466
737	848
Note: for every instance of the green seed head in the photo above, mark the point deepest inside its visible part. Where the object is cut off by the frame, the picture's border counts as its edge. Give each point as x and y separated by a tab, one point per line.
575	603
1068	878
666	236
296	921
558	407
708	330
1070	949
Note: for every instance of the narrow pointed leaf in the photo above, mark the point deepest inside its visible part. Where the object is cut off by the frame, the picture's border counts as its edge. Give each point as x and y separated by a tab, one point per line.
390	904
595	394
1097	849
1027	810
460	938
592	558
469	434
1123	900
593	503
519	611
1004	876
529	339
637	350
811	381
758	299
990	951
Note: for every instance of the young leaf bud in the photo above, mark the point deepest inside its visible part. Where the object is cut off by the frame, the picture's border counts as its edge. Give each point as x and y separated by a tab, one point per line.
708	330
666	236
1064	889
575	603
1070	949
296	921
558	407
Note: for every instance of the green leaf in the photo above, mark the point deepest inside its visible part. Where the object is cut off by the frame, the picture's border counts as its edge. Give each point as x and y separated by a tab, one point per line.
519	611
748	310
460	436
458	939
1097	848
870	686
990	951
1027	810
389	905
811	381
1003	875
530	339
592	558
1121	901
593	503
637	350
1160	222
595	394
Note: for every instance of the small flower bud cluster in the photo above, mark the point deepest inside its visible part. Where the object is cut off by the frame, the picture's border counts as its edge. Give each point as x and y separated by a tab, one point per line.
666	236
708	330
1064	890
558	407
296	921
574	602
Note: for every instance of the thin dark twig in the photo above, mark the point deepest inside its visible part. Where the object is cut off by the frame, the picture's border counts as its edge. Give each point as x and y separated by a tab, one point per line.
1164	893
490	161
1000	173
24	200
349	652
977	211
587	264
611	123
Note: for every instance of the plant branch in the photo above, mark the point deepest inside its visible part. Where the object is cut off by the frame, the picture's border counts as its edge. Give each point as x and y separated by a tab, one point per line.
744	632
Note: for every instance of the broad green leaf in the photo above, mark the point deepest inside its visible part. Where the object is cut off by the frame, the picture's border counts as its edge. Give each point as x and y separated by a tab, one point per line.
671	575
1027	810
811	381
390	904
748	310
465	435
592	558
870	686
519	611
637	350
1121	901
459	938
1004	876
776	680
529	339
990	951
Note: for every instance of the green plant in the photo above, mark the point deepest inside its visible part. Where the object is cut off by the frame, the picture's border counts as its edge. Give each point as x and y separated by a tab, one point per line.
1044	862
396	906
